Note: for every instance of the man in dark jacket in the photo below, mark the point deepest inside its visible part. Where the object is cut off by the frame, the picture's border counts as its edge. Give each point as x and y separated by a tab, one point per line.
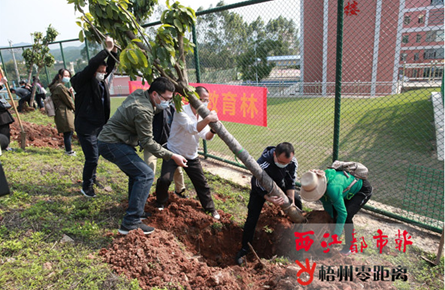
281	165
92	104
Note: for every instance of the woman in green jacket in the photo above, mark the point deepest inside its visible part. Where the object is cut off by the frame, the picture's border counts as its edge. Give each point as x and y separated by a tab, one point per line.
64	107
339	199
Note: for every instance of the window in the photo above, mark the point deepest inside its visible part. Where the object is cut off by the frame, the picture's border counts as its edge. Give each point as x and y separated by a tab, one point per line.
405	38
407	20
403	56
436	2
421	19
415	73
418	37
416	56
436	53
434	36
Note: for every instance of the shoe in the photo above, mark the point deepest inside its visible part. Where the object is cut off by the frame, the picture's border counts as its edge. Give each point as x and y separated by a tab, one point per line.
239	258
145	216
98	184
346	251
70	153
146	229
181	194
216	215
88	192
159	206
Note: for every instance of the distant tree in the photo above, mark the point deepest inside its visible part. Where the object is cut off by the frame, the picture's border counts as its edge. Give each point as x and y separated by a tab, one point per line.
38	55
9	67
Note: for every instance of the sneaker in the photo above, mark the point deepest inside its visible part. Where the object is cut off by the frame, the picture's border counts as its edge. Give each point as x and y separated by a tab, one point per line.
98	184
146	229
239	258
181	194
70	153
145	216
216	215
159	206
88	192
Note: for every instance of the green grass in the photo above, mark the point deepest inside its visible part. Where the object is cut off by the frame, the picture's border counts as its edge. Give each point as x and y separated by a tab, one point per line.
46	205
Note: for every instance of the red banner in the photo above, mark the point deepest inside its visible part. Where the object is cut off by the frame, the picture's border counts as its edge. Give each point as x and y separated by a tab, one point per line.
238	104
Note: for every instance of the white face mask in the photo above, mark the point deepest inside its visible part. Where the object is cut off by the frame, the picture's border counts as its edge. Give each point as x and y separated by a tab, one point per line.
281	165
163	104
65	80
100	76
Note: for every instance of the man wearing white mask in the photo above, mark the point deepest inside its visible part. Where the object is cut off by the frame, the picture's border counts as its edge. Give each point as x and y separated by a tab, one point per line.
281	165
128	128
186	130
92	104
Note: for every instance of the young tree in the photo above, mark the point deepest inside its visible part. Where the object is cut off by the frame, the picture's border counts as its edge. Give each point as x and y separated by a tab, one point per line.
162	56
39	55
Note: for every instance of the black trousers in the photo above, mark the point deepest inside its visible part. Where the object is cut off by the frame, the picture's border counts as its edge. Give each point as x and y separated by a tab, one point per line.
256	202
196	175
90	149
353	205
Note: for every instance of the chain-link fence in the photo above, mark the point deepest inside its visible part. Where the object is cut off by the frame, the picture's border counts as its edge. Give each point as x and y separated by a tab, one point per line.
376	100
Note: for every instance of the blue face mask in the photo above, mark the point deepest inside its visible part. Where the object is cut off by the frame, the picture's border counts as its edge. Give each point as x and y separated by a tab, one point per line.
65	80
281	165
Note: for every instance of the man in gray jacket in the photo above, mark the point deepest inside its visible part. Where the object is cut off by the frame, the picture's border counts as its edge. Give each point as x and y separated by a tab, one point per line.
130	126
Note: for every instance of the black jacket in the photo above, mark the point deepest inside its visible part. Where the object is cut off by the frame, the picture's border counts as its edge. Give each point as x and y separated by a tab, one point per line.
283	177
90	112
162	124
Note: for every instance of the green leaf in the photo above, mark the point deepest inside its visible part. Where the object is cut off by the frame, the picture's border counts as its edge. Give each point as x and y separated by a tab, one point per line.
79	24
178	25
136	40
81	37
142	56
102	2
109	11
132	57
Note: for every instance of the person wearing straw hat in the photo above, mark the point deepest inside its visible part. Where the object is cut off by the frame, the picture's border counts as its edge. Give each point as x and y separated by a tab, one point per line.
339	199
281	165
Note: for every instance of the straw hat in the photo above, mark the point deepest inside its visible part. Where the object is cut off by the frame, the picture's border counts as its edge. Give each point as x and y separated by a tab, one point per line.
313	185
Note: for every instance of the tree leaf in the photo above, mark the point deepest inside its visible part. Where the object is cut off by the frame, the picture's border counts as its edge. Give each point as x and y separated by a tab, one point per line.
81	37
136	40
178	25
132	56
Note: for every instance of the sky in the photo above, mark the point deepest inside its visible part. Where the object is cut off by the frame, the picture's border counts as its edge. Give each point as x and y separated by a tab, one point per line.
31	16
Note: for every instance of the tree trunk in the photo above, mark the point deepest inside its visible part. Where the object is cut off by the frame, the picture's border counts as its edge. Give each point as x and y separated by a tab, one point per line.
251	164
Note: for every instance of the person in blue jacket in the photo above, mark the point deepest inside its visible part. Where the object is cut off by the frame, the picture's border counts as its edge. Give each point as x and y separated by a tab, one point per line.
341	200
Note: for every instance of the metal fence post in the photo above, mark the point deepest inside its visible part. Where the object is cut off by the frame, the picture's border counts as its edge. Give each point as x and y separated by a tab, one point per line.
63	56
338	71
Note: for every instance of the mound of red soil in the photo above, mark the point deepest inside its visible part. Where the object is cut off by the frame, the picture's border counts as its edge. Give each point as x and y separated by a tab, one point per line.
191	249
37	135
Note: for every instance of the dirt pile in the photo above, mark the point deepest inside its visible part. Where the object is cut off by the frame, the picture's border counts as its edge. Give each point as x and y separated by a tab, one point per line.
191	249
37	135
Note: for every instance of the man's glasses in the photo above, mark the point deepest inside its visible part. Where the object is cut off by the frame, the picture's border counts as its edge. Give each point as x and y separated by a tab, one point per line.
165	99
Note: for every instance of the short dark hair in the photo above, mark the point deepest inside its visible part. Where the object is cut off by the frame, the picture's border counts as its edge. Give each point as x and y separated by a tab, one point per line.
200	89
22	83
160	85
285	148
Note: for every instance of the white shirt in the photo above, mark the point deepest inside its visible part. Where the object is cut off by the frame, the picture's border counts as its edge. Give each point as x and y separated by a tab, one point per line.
184	135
